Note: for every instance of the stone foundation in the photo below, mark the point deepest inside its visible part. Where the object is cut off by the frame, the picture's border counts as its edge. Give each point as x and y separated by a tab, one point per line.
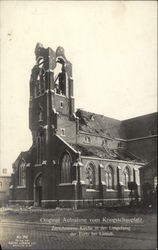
22	202
76	204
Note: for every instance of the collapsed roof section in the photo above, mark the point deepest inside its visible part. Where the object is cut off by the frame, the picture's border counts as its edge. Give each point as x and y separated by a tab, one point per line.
100	152
100	125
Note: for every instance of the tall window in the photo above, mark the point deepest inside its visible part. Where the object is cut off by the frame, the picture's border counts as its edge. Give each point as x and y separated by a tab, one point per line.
109	176
22	173
40	148
90	176
60	77
40	81
126	177
40	113
66	169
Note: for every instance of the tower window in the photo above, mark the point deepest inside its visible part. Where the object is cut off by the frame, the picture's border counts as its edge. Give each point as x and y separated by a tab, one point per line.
0	184
40	147
61	104
60	78
62	132
40	82
40	113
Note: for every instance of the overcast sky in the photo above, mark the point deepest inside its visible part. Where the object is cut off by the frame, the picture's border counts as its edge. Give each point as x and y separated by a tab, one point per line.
113	49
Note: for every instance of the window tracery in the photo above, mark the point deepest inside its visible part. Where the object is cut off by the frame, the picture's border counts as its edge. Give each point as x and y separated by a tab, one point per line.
66	169
40	147
109	176
90	176
126	177
22	173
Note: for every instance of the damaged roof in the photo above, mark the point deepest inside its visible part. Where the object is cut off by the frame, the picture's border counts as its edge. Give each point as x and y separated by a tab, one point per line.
102	152
100	125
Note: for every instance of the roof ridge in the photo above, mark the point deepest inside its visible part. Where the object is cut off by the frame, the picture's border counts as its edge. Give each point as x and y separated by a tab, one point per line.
82	110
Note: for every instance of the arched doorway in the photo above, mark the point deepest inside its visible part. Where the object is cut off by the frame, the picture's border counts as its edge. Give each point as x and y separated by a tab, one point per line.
38	190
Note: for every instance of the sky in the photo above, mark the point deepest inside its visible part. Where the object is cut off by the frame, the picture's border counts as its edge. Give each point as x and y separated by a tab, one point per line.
112	46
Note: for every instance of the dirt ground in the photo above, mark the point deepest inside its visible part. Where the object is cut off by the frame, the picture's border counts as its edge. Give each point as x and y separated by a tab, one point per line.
112	228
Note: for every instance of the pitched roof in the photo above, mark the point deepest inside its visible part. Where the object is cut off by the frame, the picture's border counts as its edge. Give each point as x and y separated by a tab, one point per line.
102	152
141	126
100	125
24	155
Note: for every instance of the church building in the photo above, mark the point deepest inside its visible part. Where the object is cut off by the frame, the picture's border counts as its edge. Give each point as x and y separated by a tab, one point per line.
77	159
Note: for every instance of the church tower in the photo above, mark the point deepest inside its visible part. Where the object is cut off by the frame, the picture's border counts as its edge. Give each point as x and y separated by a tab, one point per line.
51	99
51	112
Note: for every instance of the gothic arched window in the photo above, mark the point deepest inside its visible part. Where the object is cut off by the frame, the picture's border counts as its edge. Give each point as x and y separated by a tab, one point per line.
40	113
66	169
109	176
90	176
60	77
22	173
126	177
40	81
40	147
